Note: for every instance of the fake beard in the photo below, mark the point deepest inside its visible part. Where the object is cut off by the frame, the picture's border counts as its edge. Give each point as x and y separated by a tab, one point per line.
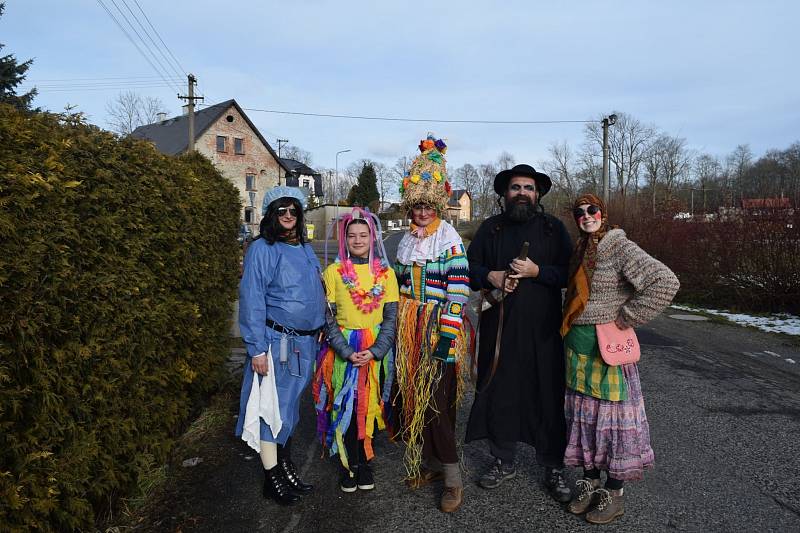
521	211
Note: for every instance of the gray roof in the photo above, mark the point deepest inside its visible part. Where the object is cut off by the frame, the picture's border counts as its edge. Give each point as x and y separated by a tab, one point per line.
455	196
171	136
292	165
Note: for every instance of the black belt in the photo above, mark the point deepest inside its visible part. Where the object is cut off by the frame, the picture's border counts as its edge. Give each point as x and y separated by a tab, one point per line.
291	331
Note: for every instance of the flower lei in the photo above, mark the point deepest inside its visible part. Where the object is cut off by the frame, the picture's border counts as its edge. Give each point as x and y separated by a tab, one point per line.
365	301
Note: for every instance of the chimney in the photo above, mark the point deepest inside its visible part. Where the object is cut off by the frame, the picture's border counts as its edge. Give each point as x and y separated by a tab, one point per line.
161	116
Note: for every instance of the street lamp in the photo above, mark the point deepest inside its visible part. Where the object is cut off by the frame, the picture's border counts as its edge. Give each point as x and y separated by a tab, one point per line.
610	120
336	184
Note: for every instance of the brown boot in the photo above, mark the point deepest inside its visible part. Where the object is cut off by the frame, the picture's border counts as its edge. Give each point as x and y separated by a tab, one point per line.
451	499
425	477
586	496
611	507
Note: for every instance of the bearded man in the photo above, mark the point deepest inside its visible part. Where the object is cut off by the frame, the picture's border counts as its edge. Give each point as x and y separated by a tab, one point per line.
520	393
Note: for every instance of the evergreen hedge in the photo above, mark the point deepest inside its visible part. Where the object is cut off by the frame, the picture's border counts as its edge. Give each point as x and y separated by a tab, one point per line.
118	266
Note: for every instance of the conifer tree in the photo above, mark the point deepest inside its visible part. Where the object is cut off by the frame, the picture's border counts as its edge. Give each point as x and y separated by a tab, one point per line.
11	75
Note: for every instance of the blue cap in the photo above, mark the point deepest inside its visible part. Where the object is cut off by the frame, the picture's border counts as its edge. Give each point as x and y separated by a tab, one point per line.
281	191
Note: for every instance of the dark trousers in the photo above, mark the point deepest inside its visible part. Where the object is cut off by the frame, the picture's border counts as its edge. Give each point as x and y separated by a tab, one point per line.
439	433
353	446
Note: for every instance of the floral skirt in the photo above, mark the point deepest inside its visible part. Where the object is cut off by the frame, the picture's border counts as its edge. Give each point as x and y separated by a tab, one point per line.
609	435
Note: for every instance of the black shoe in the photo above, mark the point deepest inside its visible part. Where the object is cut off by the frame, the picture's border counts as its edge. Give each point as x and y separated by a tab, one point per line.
277	488
290	473
347	482
497	474
364	478
556	485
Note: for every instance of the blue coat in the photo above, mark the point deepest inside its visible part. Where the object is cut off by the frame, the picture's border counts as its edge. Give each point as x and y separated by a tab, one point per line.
281	282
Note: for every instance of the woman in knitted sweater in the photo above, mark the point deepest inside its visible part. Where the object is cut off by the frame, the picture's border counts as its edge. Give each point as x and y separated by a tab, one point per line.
611	280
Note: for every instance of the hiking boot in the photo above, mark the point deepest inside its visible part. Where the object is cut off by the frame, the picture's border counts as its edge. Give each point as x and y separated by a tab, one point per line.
290	473
347	481
277	488
497	474
364	478
555	484
425	477
611	507
586	496
451	499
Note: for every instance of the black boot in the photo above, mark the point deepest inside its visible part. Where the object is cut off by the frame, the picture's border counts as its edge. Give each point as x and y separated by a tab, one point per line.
277	488
290	473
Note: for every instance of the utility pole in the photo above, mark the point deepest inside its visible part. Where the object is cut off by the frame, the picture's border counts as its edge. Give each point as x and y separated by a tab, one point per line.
607	121
190	99
281	142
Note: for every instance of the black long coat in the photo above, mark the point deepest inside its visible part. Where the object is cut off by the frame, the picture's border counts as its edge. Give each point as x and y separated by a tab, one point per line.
524	402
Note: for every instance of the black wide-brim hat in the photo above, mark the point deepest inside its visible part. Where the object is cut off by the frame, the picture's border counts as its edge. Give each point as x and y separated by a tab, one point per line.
543	182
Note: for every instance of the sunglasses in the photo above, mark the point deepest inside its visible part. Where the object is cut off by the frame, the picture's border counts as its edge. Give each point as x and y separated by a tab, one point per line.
283	210
578	213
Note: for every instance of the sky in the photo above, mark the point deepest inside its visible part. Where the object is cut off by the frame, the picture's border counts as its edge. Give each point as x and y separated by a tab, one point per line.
718	73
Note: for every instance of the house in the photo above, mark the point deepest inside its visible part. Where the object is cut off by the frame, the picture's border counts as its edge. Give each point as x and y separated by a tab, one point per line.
225	135
301	175
459	207
764	206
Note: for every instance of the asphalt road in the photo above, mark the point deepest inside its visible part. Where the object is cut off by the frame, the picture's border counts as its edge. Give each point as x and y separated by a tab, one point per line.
724	408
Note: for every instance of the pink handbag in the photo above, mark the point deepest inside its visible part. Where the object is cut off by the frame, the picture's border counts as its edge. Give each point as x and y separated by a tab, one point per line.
617	346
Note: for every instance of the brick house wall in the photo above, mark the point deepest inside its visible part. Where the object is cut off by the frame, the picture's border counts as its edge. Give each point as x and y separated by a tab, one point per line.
255	160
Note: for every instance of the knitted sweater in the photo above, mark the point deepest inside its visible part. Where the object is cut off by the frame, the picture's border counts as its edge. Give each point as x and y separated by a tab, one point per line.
446	281
628	283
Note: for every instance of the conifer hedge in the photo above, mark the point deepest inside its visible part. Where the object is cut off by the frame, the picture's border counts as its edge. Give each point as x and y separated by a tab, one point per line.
118	266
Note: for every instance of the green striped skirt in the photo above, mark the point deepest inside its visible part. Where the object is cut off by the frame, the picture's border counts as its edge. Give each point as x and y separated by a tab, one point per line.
587	373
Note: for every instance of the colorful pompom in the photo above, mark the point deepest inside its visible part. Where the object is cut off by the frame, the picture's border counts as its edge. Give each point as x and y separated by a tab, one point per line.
426	176
415	178
437	175
447	188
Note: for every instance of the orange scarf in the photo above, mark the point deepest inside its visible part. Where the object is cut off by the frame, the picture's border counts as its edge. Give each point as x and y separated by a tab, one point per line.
426	231
582	266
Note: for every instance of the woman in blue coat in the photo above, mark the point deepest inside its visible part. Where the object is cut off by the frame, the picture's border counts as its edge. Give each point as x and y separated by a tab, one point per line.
281	312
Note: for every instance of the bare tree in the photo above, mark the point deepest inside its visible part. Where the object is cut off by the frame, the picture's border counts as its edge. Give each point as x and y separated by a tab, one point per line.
561	169
129	110
738	164
666	161
291	151
707	169
484	202
387	180
628	141
505	161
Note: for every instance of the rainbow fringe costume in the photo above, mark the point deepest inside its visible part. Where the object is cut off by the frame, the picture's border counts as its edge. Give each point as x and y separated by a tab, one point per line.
345	394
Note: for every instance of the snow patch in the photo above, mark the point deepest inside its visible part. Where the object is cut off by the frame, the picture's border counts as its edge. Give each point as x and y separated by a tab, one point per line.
775	323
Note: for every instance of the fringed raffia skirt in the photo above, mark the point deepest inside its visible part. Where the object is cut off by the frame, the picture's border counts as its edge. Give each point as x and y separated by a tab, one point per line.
417	373
345	394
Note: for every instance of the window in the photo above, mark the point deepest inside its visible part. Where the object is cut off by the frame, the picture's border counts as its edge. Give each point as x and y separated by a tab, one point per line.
248	215
306	183
250	182
222	143
252	199
238	146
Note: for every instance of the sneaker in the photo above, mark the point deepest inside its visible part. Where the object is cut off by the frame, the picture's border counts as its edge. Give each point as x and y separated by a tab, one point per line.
556	485
365	481
348	481
611	507
586	496
498	472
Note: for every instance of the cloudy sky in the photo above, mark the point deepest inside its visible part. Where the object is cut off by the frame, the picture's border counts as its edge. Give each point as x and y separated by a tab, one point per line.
719	73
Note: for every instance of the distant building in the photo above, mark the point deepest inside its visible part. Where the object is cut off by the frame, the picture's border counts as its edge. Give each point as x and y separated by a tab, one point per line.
225	135
760	206
459	207
301	175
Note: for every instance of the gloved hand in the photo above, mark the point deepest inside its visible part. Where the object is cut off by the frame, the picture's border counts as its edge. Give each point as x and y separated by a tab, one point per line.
442	350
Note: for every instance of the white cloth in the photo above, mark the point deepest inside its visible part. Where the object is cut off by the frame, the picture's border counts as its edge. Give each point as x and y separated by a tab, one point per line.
413	249
262	403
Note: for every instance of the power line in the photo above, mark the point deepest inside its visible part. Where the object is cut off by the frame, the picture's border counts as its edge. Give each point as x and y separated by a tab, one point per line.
82	89
119	25
101	79
404	119
141	39
144	30
160	39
